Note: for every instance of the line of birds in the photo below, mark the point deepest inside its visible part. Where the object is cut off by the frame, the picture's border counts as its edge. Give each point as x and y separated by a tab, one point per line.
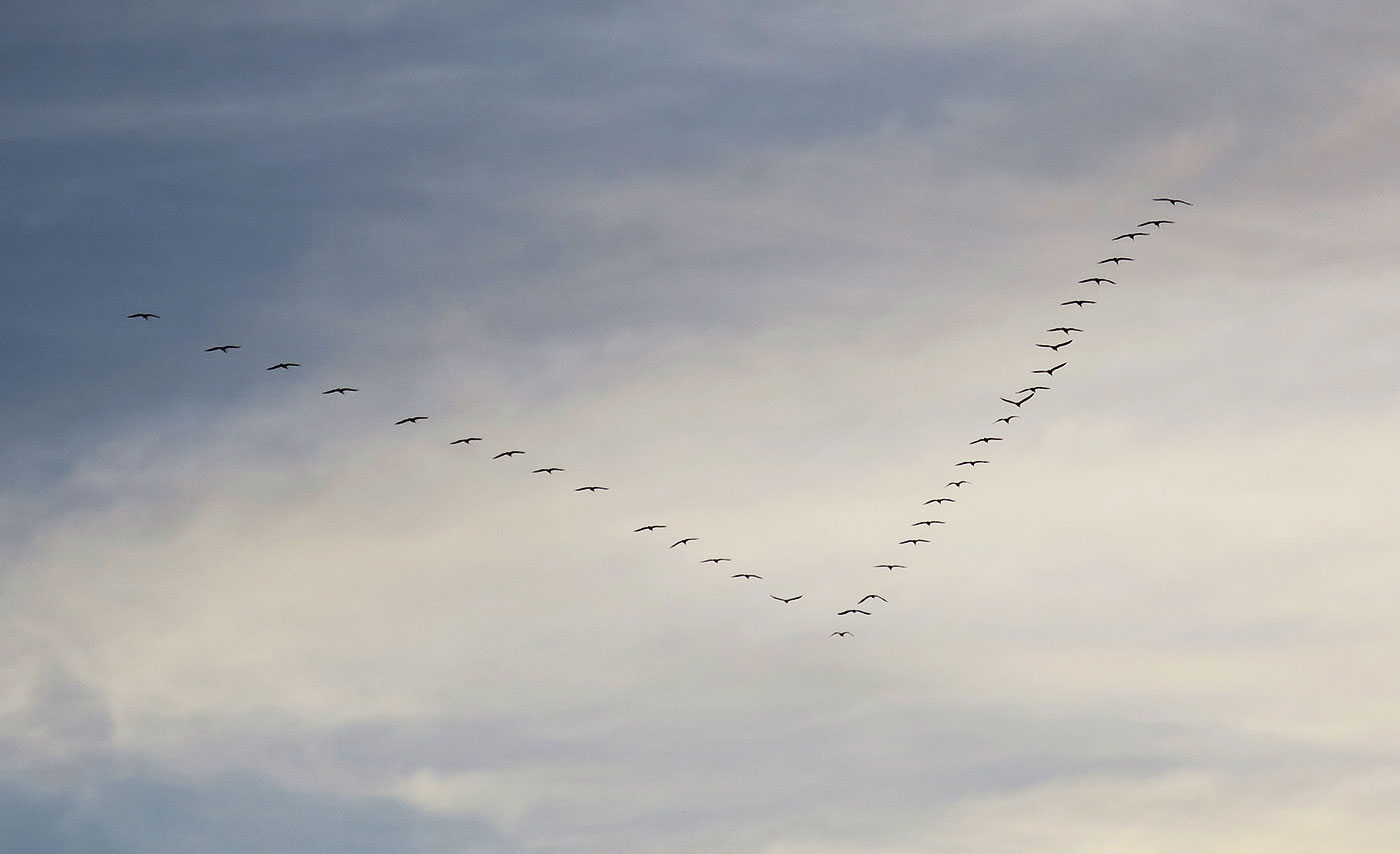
1017	400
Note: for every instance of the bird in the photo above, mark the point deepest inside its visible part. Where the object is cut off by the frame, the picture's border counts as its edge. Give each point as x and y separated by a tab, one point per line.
682	542
784	601
412	419
591	489
943	500
341	390
284	366
1115	260
716	560
1098	280
958	483
1131	235
890	566
872	596
1007	420
928	523
1173	202
1056	347
507	454
466	441
852	611
549	470
143	315
913	542
973	462
1017	403
746	575
1033	389
1079	302
1065	329
1157	222
840	634
648	528
984	440
223	348
1050	372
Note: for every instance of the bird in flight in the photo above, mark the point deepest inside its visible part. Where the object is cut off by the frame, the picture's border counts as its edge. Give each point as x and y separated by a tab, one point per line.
973	462
869	596
941	501
913	542
1079	302
984	440
1017	403
412	419
548	470
466	441
1050	372
648	528
143	315
852	611
507	454
342	390
746	575
1008	419
591	489
1033	389
928	523
716	560
890	566
1098	280
223	348
1115	260
1131	235
1173	202
682	542
1157	222
840	634
785	601
1056	347
958	483
1065	329
284	366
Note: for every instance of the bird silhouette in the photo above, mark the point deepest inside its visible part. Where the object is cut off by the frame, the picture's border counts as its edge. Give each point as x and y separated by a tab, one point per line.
945	500
890	566
547	470
913	542
1065	329
466	441
682	542
852	611
341	390
1033	389
1173	202
507	454
785	601
1131	235
284	366
958	483
1017	403
985	439
1115	260
648	528
143	315
1050	372
973	462
1098	280
591	489
929	523
412	419
1157	222
746	575
1007	420
1079	302
870	596
716	560
1056	347
223	348
840	634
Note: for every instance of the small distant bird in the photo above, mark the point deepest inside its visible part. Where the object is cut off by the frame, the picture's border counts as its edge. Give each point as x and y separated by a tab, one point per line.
870	596
1056	347
143	315
984	440
1131	235
1008	419
507	454
840	634
784	601
1115	260
746	575
412	419
1050	372
890	566
340	390
1157	222
223	348
1033	389
1017	403
958	483
284	366
973	462
928	523
852	611
648	528
1097	280
682	542
1065	329
466	441
1079	302
1173	202
591	489
945	500
913	542
548	470
716	560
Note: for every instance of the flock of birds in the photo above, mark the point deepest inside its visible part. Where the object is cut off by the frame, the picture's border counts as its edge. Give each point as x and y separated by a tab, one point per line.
1017	400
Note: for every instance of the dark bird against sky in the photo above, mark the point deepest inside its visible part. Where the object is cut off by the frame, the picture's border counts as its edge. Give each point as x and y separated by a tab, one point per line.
340	390
1115	260
1173	202
591	489
1079	302
507	454
648	528
412	419
682	542
785	601
467	441
1050	372
284	366
547	470
143	315
223	348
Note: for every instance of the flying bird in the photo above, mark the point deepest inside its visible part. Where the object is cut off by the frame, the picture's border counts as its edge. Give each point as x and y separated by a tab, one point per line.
1056	347
1017	403
945	500
143	315
1131	235
716	560
1079	302
1157	222
1033	389
984	440
914	542
958	483
466	441
549	470
507	454
973	462
869	596
1115	260
1065	329
342	390
890	566
284	366
223	348
746	575
682	542
1050	372
1173	202
591	489
648	528
852	611
784	601
1096	280
1007	419
840	634
928	523
412	419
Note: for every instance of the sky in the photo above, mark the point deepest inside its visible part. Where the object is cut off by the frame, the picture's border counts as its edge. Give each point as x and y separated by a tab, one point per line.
764	273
